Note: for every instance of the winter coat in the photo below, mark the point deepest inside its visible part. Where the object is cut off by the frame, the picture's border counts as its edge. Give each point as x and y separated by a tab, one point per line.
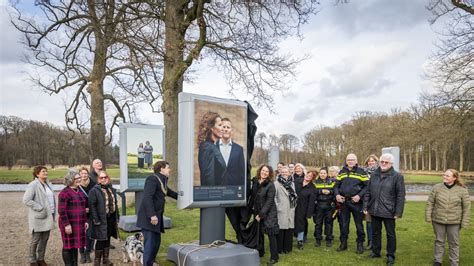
449	206
351	182
40	215
101	224
262	202
322	198
286	214
385	196
72	211
153	203
304	204
211	164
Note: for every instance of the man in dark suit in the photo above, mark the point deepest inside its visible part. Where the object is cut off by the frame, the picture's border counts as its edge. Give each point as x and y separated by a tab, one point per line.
233	155
234	175
150	214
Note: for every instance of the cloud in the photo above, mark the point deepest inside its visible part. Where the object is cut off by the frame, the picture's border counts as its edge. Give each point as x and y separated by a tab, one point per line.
358	17
10	50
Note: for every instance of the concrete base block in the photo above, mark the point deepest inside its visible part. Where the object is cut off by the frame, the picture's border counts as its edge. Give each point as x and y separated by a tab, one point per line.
228	254
128	223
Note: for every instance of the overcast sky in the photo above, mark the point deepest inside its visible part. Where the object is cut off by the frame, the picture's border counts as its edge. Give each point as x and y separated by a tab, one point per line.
361	56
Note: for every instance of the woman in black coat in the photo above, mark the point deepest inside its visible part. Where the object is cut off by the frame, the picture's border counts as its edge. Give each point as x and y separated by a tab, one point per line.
262	202
211	163
104	214
305	205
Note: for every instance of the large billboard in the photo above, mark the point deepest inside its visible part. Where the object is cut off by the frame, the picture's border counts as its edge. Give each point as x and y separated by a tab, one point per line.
211	151
140	147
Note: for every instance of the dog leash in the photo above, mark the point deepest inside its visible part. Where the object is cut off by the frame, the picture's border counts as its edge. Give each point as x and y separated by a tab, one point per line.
214	244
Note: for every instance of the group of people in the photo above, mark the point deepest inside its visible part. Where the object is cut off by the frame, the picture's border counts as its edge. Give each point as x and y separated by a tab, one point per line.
283	200
86	211
145	155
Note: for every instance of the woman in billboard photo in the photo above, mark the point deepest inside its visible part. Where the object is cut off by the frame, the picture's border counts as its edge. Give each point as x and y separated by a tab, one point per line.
148	150
211	163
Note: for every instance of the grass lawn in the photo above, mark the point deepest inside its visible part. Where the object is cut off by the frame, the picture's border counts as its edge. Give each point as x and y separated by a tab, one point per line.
414	241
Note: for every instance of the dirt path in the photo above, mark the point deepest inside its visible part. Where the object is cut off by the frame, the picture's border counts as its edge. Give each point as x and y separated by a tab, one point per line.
15	237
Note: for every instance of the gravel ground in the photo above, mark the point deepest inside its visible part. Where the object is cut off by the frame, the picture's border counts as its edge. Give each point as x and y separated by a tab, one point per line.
14	228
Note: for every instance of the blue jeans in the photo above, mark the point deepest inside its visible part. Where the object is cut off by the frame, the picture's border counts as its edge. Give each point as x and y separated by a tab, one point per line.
151	246
300	236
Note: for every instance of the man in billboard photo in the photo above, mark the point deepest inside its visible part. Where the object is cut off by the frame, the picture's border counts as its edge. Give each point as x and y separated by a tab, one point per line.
212	165
233	155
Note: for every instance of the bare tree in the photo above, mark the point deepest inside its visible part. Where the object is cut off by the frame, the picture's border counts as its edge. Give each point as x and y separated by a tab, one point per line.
124	52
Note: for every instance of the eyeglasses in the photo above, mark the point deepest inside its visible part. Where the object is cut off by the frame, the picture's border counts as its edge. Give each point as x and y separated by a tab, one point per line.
103	177
385	162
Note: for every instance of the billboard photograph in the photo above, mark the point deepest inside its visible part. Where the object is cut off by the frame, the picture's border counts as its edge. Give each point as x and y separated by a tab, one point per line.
140	147
217	149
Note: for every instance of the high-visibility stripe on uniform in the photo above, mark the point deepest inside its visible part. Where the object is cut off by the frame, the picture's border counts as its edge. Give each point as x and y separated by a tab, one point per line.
352	175
324	185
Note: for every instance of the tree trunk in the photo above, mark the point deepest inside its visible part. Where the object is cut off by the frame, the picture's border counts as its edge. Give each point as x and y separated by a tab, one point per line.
96	90
445	159
423	158
429	157
461	155
172	83
437	160
405	159
411	160
417	159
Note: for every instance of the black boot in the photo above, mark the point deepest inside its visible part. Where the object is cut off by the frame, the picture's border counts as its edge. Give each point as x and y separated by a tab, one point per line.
98	257
318	243
342	246
299	245
74	257
105	260
328	243
88	256
67	257
83	255
360	247
369	245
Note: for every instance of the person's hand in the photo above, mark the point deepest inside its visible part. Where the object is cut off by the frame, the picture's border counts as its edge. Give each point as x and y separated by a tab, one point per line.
86	226
257	218
325	191
154	220
395	217
356	198
68	229
340	198
365	211
87	210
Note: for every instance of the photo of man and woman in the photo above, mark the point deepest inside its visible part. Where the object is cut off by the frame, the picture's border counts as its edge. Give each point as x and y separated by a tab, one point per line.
220	146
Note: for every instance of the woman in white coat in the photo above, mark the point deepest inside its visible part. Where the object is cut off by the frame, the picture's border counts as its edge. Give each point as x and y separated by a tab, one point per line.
285	199
39	198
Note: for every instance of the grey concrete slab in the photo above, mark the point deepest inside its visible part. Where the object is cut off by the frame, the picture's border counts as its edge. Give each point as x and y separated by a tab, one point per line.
228	254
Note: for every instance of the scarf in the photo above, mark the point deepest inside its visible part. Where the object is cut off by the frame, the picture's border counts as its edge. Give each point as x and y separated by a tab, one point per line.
287	184
109	199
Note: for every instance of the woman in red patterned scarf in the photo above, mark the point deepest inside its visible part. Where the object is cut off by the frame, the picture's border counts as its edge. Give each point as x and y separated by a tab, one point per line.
72	218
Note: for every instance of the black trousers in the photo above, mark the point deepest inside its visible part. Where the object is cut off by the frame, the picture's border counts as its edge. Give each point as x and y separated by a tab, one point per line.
377	235
323	215
285	240
356	209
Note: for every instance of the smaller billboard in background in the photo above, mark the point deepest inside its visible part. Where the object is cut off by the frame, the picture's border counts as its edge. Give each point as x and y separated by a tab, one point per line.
140	147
